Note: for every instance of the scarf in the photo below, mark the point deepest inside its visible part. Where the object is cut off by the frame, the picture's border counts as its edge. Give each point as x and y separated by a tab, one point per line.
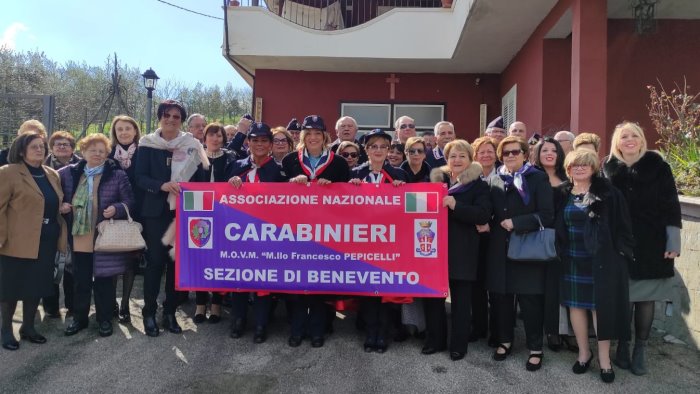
123	156
82	201
188	153
517	180
313	171
251	174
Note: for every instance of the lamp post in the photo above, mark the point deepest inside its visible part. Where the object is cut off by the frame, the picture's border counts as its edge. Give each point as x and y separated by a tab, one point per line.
149	82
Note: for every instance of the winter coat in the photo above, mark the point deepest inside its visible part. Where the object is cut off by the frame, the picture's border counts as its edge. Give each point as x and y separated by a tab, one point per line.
336	171
609	239
472	207
650	192
113	190
504	276
131	174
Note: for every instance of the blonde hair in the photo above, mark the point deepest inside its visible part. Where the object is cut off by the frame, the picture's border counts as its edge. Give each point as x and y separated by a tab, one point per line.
481	141
326	139
32	125
412	141
93	139
617	136
587	138
580	157
461	145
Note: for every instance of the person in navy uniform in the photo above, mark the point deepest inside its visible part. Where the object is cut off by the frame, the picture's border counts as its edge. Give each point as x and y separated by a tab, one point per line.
444	133
294	129
238	143
258	167
376	311
312	162
415	166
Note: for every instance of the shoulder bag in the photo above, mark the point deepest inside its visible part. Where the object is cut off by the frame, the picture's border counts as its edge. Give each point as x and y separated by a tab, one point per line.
119	235
534	245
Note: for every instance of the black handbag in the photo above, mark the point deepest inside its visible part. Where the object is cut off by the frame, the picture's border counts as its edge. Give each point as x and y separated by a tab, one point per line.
536	245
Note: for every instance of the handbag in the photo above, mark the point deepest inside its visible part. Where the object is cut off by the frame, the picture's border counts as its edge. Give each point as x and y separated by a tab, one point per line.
61	262
534	245
119	235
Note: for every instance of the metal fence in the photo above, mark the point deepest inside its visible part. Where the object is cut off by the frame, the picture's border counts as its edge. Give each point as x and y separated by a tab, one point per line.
17	108
333	14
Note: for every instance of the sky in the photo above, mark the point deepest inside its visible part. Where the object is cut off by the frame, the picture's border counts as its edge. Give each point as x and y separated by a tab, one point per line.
144	33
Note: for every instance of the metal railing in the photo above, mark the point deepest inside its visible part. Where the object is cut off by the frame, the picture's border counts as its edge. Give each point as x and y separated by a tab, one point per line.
333	14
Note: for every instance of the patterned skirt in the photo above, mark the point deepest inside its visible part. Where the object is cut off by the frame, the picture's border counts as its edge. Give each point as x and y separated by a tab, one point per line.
577	286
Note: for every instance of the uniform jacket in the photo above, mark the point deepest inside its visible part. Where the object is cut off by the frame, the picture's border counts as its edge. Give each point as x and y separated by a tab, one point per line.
435	157
422	176
269	172
113	190
21	211
336	171
472	207
505	276
652	198
396	174
610	240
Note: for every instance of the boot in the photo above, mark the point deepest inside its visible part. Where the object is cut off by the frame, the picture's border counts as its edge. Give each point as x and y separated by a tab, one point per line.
622	356
639	363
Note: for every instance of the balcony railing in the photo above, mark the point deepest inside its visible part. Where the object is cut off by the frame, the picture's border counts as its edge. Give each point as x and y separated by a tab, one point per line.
334	14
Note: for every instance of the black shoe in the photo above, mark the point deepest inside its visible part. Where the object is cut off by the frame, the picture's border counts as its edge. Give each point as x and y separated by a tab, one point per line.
32	336
170	324
607	375
419	335
8	341
294	341
554	342
401	335
105	328
150	326
237	327
260	334
199	318
534	367
317	342
213	319
370	344
75	327
431	349
456	356
570	343
124	315
502	356
381	345
581	368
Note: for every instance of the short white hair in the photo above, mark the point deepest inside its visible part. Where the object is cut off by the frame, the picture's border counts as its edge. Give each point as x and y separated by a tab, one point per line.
400	118
342	118
189	119
568	134
442	123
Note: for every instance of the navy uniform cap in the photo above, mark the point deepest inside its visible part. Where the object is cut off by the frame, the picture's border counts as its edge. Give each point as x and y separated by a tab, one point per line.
376	133
313	122
497	123
294	125
260	130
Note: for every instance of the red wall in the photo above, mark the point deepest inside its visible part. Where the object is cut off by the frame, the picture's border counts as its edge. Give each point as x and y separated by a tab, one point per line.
556	86
637	61
288	94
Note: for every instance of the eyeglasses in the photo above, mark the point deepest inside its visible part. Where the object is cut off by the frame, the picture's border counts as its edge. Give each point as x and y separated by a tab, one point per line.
407	126
513	152
353	155
36	147
61	145
279	141
378	147
579	166
168	116
416	151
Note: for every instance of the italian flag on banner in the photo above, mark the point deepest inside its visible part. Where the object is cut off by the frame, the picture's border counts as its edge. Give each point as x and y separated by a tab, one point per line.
421	202
198	201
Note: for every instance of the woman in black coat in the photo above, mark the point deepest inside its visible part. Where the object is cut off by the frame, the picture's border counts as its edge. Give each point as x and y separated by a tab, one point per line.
377	311
469	205
647	183
125	142
259	166
594	241
526	195
312	162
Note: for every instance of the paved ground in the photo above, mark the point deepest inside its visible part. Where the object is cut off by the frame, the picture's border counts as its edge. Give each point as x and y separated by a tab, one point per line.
204	359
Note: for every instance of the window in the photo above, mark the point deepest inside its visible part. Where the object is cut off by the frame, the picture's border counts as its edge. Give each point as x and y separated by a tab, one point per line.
382	116
368	116
426	116
509	106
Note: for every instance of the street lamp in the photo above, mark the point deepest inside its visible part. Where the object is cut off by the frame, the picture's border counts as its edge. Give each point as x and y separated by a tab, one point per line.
150	78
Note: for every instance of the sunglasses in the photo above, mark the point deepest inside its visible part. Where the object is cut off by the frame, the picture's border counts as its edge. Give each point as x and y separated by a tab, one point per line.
513	152
353	155
407	126
416	151
168	116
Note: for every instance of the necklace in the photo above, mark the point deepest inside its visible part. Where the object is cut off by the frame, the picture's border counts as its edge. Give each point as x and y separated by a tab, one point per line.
39	176
214	155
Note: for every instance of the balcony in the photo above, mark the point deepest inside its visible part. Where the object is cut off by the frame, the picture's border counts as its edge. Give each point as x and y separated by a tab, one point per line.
379	35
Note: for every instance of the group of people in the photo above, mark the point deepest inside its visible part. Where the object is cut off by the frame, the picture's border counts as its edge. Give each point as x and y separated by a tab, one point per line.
617	223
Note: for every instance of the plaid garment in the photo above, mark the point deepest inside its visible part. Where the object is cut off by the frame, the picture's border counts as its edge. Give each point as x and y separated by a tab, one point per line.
577	285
